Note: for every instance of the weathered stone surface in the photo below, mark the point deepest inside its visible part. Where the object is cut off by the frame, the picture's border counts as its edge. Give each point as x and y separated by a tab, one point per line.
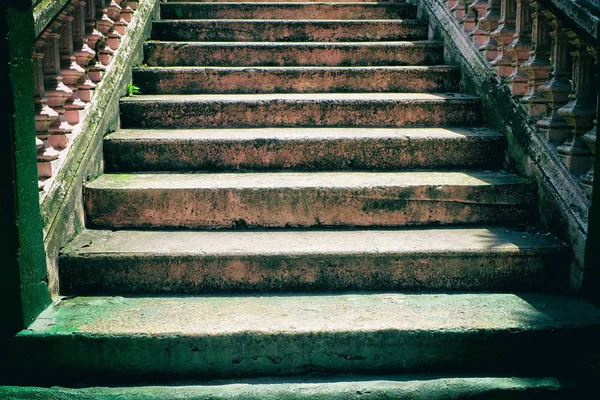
316	109
292	54
196	80
267	30
137	262
311	10
403	387
228	336
302	148
305	199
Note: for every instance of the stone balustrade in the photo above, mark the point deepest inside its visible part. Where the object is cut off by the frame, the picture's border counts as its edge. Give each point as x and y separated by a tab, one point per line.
70	56
549	67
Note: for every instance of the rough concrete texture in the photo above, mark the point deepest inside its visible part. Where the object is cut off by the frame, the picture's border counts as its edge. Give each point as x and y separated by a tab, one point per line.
301	148
289	30
100	262
404	387
228	336
293	199
194	80
292	54
283	10
316	109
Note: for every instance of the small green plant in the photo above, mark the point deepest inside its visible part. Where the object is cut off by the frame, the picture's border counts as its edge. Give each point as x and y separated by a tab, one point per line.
132	89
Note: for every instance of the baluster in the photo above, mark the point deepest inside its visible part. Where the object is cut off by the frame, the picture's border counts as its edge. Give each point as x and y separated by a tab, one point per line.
538	65
69	68
519	49
590	140
44	115
104	24
113	10
504	36
580	111
57	92
558	86
491	21
133	4
469	22
127	12
481	30
459	10
82	52
94	38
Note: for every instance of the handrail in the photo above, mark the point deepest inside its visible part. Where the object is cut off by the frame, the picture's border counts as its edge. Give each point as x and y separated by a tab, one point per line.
44	12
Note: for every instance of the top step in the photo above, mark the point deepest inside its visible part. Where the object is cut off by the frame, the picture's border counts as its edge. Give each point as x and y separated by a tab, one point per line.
288	10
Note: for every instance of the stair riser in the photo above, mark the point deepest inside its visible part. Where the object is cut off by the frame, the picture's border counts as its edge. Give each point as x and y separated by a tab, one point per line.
317	54
296	80
306	207
287	11
308	154
121	274
223	114
292	31
80	355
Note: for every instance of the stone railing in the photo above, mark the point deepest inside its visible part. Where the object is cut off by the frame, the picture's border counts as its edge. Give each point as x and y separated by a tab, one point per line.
76	40
550	67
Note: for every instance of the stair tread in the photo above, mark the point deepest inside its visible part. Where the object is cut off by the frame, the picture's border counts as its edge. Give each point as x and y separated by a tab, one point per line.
258	180
488	240
241	134
322	314
309	97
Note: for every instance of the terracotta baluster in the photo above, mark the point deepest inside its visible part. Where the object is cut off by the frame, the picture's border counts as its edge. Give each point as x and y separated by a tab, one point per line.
590	139
469	22
82	52
133	4
504	35
459	10
490	21
580	111
479	34
127	12
57	92
558	86
69	68
538	65
519	49
113	10
44	115
95	38
105	25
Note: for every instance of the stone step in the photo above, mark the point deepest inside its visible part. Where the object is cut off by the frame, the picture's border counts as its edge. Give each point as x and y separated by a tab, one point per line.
247	80
314	110
306	199
399	387
164	54
192	262
207	337
288	10
289	30
302	148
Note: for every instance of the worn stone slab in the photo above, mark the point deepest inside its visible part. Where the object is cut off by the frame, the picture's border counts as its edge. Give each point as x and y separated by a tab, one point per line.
142	262
314	109
302	199
292	54
301	148
197	80
235	336
403	387
291	10
259	30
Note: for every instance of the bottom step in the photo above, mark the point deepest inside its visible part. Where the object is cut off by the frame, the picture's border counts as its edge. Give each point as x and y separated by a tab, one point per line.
134	339
347	388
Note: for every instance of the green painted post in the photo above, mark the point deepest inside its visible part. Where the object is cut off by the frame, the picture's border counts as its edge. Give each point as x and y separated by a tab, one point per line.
23	289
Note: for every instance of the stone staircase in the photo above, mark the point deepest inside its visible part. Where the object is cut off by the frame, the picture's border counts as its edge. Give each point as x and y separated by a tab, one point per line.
301	191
